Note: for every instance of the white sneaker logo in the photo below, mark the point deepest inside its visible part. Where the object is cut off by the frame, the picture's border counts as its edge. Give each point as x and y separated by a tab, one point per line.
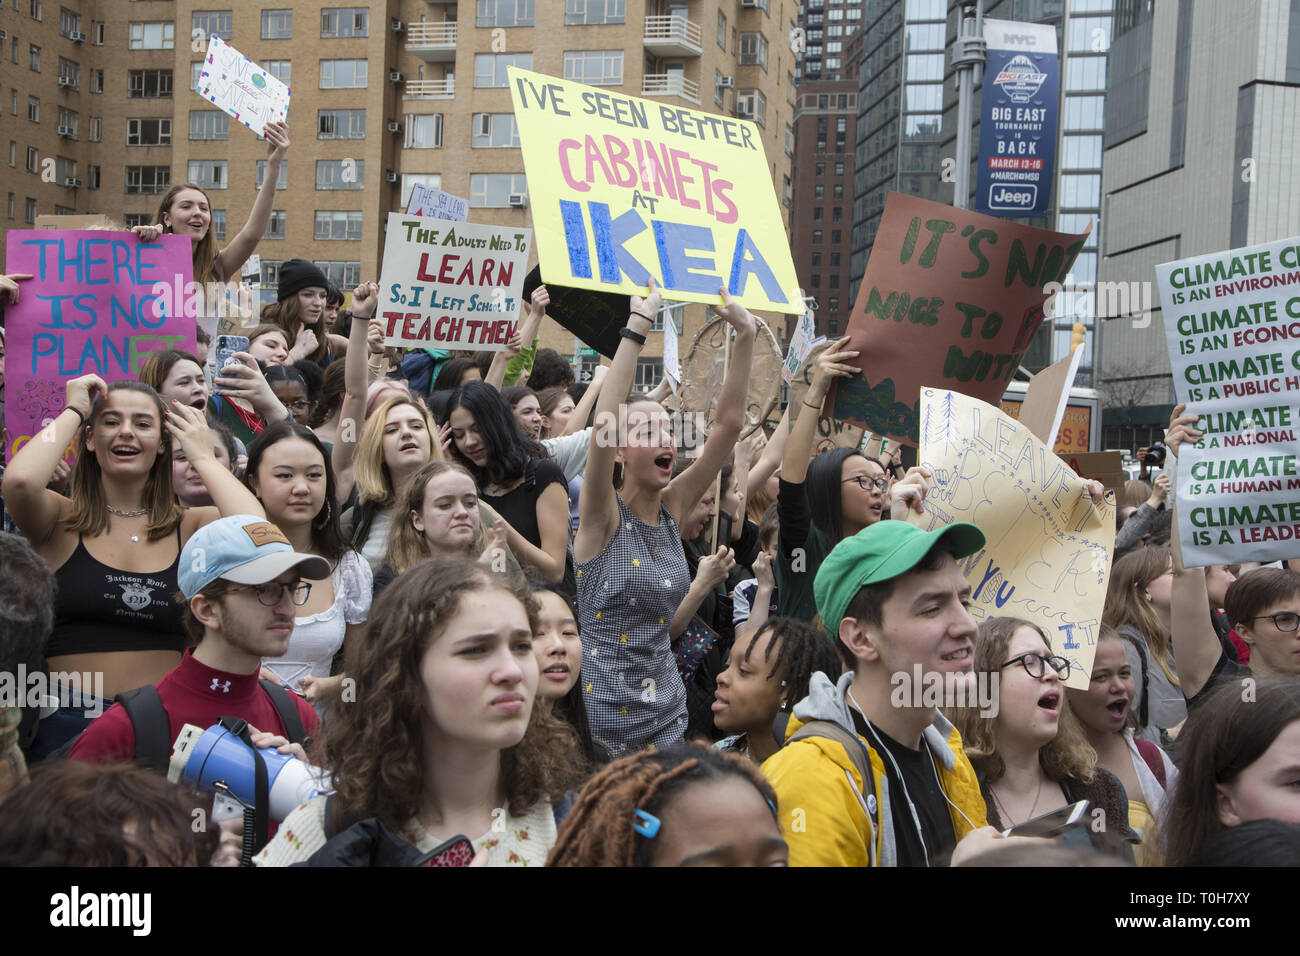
223	686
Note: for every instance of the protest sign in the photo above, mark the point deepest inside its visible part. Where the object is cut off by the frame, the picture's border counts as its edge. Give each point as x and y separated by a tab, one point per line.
1046	398
1018	117
433	203
451	285
801	343
96	304
593	317
623	188
951	299
239	86
1104	466
1048	548
707	363
1232	322
672	363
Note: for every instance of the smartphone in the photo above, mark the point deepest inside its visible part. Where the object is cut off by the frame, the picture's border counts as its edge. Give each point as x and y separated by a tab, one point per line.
224	350
457	851
1053	824
725	522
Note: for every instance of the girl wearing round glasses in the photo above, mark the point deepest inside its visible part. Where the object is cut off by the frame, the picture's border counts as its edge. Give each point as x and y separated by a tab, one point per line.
1031	755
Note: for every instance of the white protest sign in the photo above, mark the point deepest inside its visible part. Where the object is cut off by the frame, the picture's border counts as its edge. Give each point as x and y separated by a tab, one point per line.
1232	323
1047	547
672	364
433	203
451	285
801	343
243	89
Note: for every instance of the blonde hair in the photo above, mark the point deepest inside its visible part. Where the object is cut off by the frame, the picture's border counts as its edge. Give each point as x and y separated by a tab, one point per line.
374	482
407	547
1068	754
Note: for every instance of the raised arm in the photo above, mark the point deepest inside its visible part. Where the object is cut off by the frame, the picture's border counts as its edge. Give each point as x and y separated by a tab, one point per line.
597	505
711	572
496	375
768	461
582	411
828	366
1196	645
230	495
688	487
34	508
232	258
352	411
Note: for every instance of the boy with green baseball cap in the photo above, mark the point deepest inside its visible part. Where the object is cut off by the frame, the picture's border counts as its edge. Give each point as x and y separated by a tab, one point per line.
869	775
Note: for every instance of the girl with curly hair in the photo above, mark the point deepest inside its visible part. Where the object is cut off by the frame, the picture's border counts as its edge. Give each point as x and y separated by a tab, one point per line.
689	805
1032	756
444	731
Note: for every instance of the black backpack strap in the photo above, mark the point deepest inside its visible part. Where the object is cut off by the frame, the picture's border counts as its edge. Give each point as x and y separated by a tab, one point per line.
287	709
152	729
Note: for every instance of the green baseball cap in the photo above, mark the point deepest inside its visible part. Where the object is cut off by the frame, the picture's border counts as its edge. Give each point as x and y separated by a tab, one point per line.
877	553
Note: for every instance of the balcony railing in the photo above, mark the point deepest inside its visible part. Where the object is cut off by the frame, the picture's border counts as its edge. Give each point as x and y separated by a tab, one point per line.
429	89
672	35
432	41
670	84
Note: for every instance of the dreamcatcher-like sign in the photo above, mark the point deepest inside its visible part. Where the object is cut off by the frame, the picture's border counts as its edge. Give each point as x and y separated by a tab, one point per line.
706	365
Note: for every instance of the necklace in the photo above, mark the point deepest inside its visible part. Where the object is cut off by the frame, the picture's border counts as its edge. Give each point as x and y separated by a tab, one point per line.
129	514
1034	806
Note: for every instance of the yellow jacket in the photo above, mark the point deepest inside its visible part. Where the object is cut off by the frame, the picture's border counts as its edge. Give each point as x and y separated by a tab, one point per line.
828	817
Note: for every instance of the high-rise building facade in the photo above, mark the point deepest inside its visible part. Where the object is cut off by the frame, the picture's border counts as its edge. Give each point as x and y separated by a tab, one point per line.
98	116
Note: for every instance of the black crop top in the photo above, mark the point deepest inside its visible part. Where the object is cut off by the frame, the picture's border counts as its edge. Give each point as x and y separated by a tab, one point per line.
99	608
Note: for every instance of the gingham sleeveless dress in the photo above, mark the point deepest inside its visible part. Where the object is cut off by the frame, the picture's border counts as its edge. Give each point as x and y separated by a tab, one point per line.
627	596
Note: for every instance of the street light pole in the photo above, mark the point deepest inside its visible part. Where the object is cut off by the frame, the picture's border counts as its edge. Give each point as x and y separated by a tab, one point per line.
968	59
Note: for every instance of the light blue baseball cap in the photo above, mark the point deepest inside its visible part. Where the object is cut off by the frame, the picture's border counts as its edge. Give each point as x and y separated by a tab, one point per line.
244	549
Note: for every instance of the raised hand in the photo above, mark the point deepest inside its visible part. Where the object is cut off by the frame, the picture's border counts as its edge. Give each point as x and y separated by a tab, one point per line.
737	315
9	286
365	298
830	365
713	570
909	492
189	426
1182	428
80	394
303	345
149	233
277	140
645	310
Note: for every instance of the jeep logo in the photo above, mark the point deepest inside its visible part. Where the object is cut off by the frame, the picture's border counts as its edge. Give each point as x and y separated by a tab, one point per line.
1012	197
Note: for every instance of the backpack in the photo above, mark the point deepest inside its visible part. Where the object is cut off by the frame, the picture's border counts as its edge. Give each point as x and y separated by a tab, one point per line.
853	747
153	743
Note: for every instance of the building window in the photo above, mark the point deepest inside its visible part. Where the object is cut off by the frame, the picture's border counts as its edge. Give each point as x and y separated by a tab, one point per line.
835	258
494	131
423	131
816	281
505	13
34	109
33	160
675	311
340	173
209	124
752	105
34	8
835	237
753	50
816	259
277	24
722	31
341	124
13	153
133	219
410	180
490	68
837	191
275	225
207	173
34	57
219	223
12	200
149	132
196	74
649	373
148	84
343	275
270	273
495	189
148	179
594	67
833	303
343	74
282	181
585	13
96	133
839	169
210	23
819	192
69	73
97	81
278	69
817	237
152	36
335	225
817	214
93	176
69	22
819	169
837	214
29	214
345	22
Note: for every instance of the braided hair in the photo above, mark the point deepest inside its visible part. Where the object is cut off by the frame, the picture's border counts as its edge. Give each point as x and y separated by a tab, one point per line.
598	830
801	651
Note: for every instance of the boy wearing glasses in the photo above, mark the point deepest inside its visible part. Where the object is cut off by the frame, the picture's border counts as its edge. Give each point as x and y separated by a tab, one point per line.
241	580
894	600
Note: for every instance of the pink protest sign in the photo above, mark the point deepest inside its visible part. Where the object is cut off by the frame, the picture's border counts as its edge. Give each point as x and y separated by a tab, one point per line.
97	303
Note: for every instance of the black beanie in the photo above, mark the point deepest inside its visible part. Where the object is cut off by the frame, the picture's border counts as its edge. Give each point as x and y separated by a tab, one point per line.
296	275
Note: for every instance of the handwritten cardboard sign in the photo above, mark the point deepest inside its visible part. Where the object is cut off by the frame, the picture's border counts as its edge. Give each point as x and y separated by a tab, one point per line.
951	298
801	344
624	188
433	203
1048	549
451	284
93	306
234	83
1232	321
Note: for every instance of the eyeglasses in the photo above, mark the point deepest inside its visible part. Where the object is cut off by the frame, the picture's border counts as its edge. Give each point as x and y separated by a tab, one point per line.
268	595
866	484
1036	665
301	405
1283	621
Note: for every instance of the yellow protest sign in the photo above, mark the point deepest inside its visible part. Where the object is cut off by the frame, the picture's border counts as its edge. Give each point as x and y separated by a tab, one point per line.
1048	547
624	188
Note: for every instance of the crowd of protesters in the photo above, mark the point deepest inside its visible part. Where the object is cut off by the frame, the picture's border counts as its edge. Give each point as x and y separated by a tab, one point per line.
446	581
